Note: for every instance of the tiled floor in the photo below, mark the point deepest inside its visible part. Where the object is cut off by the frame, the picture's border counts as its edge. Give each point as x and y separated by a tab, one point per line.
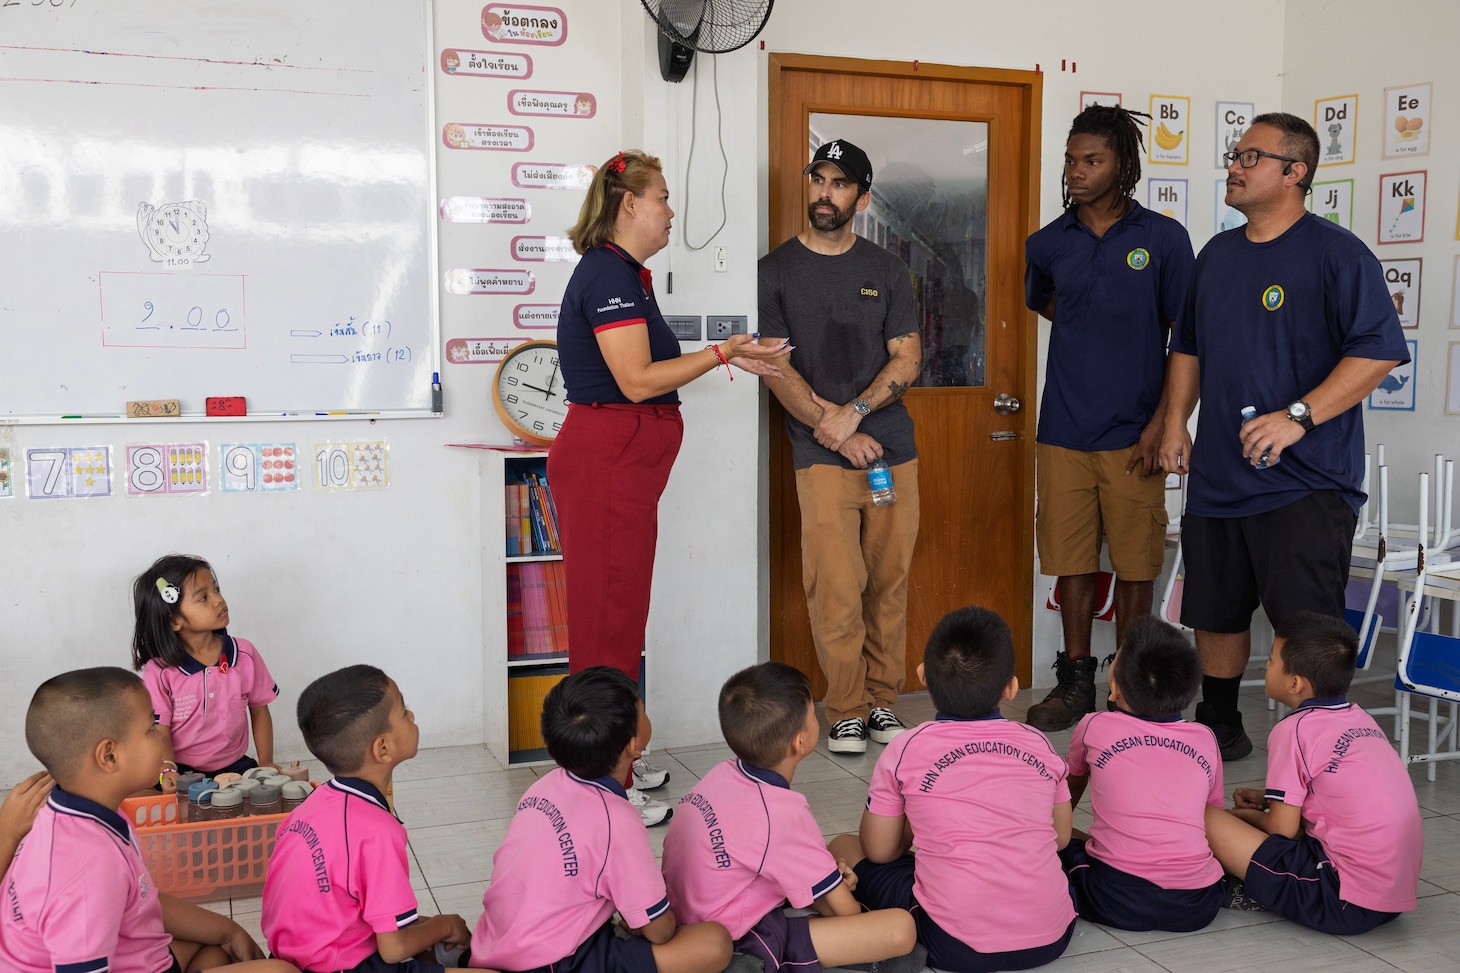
457	801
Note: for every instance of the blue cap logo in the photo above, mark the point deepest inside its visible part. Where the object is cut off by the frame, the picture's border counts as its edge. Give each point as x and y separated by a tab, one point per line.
1272	298
1138	258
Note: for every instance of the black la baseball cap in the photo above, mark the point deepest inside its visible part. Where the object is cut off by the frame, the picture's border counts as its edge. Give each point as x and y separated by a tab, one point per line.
852	161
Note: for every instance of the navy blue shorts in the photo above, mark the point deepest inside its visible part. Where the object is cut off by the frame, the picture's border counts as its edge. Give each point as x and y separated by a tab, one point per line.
374	964
1111	897
605	952
890	886
1293	878
237	767
781	940
176	967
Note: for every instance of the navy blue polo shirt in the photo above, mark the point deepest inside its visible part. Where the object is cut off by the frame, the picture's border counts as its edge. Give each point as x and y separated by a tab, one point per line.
1268	322
608	289
1115	297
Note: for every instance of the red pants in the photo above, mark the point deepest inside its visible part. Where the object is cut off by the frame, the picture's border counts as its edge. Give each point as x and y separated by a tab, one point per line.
607	469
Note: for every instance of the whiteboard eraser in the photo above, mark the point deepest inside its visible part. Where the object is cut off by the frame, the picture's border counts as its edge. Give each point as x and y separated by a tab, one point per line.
225	405
153	409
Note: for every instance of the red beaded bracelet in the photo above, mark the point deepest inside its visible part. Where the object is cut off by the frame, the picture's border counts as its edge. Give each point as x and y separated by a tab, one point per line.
723	361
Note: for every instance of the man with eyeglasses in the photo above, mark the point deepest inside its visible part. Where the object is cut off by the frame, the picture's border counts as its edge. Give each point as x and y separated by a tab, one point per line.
1289	315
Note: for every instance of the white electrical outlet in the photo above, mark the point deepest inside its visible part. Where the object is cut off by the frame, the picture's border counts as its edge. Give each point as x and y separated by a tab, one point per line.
719	260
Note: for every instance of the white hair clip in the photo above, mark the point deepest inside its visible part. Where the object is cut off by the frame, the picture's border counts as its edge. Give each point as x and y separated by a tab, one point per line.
168	591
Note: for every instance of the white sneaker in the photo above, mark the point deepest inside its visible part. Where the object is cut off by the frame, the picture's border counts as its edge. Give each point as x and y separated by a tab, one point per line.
648	777
885	724
653	812
847	736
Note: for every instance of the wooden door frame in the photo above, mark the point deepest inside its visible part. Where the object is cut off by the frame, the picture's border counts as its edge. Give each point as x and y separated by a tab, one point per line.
791	214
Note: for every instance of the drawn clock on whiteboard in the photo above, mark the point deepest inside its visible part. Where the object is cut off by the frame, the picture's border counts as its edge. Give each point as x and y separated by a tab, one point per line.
174	232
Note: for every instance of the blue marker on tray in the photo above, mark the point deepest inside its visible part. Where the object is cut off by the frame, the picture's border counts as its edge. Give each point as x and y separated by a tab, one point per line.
436	392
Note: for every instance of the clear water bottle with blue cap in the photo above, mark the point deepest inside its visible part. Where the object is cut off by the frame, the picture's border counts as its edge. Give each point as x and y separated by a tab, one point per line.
1249	412
879	478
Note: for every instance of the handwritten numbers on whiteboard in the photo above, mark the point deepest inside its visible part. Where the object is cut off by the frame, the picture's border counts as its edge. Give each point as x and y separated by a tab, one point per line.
158	468
350	466
68	472
259	467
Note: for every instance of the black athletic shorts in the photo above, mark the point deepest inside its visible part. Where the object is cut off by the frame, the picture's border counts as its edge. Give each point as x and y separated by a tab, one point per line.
1291	559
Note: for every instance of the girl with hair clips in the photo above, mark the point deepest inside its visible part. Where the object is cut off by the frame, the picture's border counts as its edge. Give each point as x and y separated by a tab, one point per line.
1111	275
621	367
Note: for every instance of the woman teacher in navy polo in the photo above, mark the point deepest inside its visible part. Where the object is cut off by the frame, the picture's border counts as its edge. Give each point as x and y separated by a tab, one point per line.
621	366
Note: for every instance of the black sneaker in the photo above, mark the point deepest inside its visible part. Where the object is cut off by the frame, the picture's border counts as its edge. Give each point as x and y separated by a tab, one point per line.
1237	898
1232	739
848	736
1070	699
884	724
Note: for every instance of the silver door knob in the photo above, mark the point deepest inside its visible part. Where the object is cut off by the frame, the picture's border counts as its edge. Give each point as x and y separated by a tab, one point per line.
1004	403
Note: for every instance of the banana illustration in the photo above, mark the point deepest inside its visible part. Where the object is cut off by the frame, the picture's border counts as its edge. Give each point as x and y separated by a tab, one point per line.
1167	139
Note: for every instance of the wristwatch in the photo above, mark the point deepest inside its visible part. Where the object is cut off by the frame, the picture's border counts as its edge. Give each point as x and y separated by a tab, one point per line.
863	408
1301	414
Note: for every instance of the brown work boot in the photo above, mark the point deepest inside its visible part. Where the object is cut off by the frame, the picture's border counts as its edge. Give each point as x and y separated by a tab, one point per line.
1072	697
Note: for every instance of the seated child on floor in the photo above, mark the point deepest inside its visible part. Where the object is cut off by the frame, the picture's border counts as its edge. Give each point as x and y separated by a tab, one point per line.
744	843
1152	776
1335	841
987	804
78	894
577	851
337	893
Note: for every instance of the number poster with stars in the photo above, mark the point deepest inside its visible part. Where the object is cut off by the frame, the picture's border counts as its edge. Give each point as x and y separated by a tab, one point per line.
68	471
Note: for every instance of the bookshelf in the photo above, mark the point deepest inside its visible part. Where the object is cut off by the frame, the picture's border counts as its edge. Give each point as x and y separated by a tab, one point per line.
525	650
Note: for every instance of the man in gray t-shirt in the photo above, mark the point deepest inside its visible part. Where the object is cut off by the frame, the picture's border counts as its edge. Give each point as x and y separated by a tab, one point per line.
847	307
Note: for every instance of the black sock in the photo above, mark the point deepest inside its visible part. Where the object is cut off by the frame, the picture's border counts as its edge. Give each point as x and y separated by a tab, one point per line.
1222	694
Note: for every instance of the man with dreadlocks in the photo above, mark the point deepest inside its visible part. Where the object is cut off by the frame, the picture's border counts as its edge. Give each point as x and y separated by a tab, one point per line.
1111	275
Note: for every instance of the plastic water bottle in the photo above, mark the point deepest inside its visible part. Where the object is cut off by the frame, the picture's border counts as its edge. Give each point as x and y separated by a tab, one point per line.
1249	412
879	478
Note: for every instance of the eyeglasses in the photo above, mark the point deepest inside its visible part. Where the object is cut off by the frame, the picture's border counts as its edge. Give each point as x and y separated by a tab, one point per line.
1248	158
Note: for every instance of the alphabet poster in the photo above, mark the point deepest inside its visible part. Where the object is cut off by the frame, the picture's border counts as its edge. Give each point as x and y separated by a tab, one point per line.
1452	392
1401	279
1168	197
7	489
1233	117
1334	201
1455	297
1406	114
1402	207
1335	120
1169	139
1396	391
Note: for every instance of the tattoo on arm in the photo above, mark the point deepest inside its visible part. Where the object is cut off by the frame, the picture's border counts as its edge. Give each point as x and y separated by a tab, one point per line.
896	389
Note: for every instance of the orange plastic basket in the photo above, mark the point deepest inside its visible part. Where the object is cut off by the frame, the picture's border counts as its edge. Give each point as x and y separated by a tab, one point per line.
206	861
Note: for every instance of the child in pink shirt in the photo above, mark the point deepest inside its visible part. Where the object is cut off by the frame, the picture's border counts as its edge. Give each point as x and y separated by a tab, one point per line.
208	688
987	805
743	843
1152	776
1335	843
78	894
577	851
337	893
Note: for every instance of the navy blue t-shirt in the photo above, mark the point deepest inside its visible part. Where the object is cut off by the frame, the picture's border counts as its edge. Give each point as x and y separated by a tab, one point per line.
1115	297
1268	322
608	289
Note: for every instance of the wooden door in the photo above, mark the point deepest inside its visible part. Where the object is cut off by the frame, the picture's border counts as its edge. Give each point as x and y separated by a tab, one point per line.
976	466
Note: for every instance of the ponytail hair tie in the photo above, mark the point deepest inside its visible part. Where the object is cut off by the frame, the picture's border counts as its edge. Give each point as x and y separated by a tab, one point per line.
617	163
168	591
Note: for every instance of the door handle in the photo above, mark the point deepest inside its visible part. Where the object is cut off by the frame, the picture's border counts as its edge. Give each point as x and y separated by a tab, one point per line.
1004	403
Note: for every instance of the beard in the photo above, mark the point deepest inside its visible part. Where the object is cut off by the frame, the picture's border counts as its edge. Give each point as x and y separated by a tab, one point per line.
832	221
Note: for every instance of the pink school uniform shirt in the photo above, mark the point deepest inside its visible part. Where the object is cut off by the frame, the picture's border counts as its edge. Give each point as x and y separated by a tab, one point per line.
1331	759
205	708
980	796
741	843
339	874
1151	782
78	898
576	851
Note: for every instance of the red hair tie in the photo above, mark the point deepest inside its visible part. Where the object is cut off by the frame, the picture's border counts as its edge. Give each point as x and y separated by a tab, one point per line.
617	164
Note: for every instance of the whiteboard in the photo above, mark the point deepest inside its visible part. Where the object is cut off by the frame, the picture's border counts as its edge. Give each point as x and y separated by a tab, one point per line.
200	198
